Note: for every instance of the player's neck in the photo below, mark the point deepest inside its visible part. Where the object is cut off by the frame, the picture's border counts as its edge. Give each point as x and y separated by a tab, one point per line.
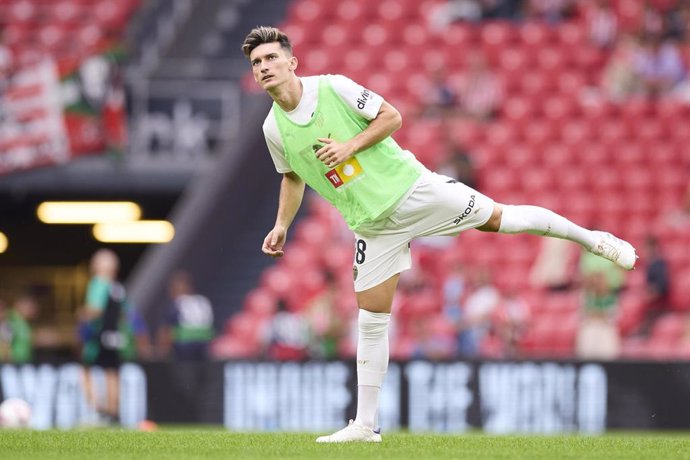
287	96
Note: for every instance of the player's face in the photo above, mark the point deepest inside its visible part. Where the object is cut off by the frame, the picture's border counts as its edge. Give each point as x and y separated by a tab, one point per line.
271	65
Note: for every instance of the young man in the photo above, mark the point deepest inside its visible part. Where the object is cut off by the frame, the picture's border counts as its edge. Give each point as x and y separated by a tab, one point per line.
331	133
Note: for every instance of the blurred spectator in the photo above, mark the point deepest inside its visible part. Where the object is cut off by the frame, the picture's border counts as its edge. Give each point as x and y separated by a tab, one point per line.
189	324
6	64
440	100
657	286
552	11
555	264
454	290
678	22
598	336
5	335
102	317
325	323
137	340
457	163
19	329
442	15
592	268
432	339
479	90
287	337
602	24
620	79
475	321
679	218
510	321
659	66
652	20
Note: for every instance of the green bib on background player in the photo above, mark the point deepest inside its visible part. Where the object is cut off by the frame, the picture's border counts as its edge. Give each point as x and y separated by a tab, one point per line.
365	186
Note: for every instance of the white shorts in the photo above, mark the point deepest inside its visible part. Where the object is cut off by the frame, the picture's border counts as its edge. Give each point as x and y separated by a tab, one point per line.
438	205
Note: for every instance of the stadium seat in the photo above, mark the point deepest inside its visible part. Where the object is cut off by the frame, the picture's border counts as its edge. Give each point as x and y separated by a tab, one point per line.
535	35
670	327
680	288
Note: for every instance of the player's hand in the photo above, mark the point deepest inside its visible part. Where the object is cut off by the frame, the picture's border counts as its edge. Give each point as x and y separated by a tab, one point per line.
274	241
333	153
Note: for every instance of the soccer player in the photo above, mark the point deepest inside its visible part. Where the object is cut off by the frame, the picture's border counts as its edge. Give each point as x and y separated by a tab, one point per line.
334	135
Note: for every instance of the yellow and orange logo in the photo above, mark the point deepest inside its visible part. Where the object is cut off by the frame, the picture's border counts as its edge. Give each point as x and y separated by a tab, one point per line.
344	172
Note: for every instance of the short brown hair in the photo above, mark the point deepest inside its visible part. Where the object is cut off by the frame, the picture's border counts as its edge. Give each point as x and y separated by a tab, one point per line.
264	34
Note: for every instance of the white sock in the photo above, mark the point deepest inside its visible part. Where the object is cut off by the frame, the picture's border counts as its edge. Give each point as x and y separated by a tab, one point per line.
367	399
541	221
372	363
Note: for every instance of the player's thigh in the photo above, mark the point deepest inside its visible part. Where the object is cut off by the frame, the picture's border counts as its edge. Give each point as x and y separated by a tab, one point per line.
442	206
379	299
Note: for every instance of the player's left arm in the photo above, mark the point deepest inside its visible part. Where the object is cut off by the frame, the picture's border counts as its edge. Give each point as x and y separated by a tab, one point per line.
387	121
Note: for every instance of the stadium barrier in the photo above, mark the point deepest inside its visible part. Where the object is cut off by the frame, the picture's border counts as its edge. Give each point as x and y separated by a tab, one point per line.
450	397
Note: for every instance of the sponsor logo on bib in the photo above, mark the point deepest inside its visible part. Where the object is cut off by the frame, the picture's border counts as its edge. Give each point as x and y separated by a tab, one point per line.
344	172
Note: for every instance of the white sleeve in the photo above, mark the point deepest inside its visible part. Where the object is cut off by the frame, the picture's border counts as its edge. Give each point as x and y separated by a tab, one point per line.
360	99
275	144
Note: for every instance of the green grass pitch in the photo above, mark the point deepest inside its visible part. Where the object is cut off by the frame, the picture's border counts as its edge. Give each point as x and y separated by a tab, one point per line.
209	444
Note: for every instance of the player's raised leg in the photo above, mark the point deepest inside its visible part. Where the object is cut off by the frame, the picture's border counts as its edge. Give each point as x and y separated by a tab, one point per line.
372	362
541	221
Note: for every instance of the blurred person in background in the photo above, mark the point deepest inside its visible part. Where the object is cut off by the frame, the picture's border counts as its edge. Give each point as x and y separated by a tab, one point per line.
475	322
652	20
678	22
480	92
555	266
552	11
326	327
510	322
454	290
6	64
658	66
189	324
137	344
432	339
602	23
441	99
619	79
457	163
18	320
441	15
103	316
598	336
657	286
5	335
333	134
287	337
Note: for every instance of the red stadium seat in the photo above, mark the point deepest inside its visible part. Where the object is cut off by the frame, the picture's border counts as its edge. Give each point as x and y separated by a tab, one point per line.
498	34
535	35
680	288
459	36
670	326
309	11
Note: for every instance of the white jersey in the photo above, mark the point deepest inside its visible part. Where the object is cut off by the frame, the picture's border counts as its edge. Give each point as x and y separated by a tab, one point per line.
348	90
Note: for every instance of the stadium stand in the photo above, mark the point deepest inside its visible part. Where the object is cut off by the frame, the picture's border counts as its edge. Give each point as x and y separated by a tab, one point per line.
618	165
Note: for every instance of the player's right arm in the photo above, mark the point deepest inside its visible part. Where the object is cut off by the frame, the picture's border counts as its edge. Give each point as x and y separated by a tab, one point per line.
289	201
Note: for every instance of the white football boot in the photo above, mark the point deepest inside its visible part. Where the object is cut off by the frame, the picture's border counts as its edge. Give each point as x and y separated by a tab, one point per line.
353	432
616	250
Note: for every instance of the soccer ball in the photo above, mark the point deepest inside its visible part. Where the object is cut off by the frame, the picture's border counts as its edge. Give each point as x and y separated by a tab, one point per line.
14	413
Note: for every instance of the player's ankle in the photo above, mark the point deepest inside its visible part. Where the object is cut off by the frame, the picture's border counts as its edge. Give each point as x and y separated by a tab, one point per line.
363	422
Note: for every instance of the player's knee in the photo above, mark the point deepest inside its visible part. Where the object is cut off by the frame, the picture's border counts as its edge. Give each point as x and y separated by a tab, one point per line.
494	222
372	324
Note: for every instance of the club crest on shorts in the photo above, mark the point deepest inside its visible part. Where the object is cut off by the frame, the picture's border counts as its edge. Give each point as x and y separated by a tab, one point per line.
355	272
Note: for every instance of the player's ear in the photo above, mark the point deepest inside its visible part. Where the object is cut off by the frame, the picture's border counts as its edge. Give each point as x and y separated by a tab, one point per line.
293	63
